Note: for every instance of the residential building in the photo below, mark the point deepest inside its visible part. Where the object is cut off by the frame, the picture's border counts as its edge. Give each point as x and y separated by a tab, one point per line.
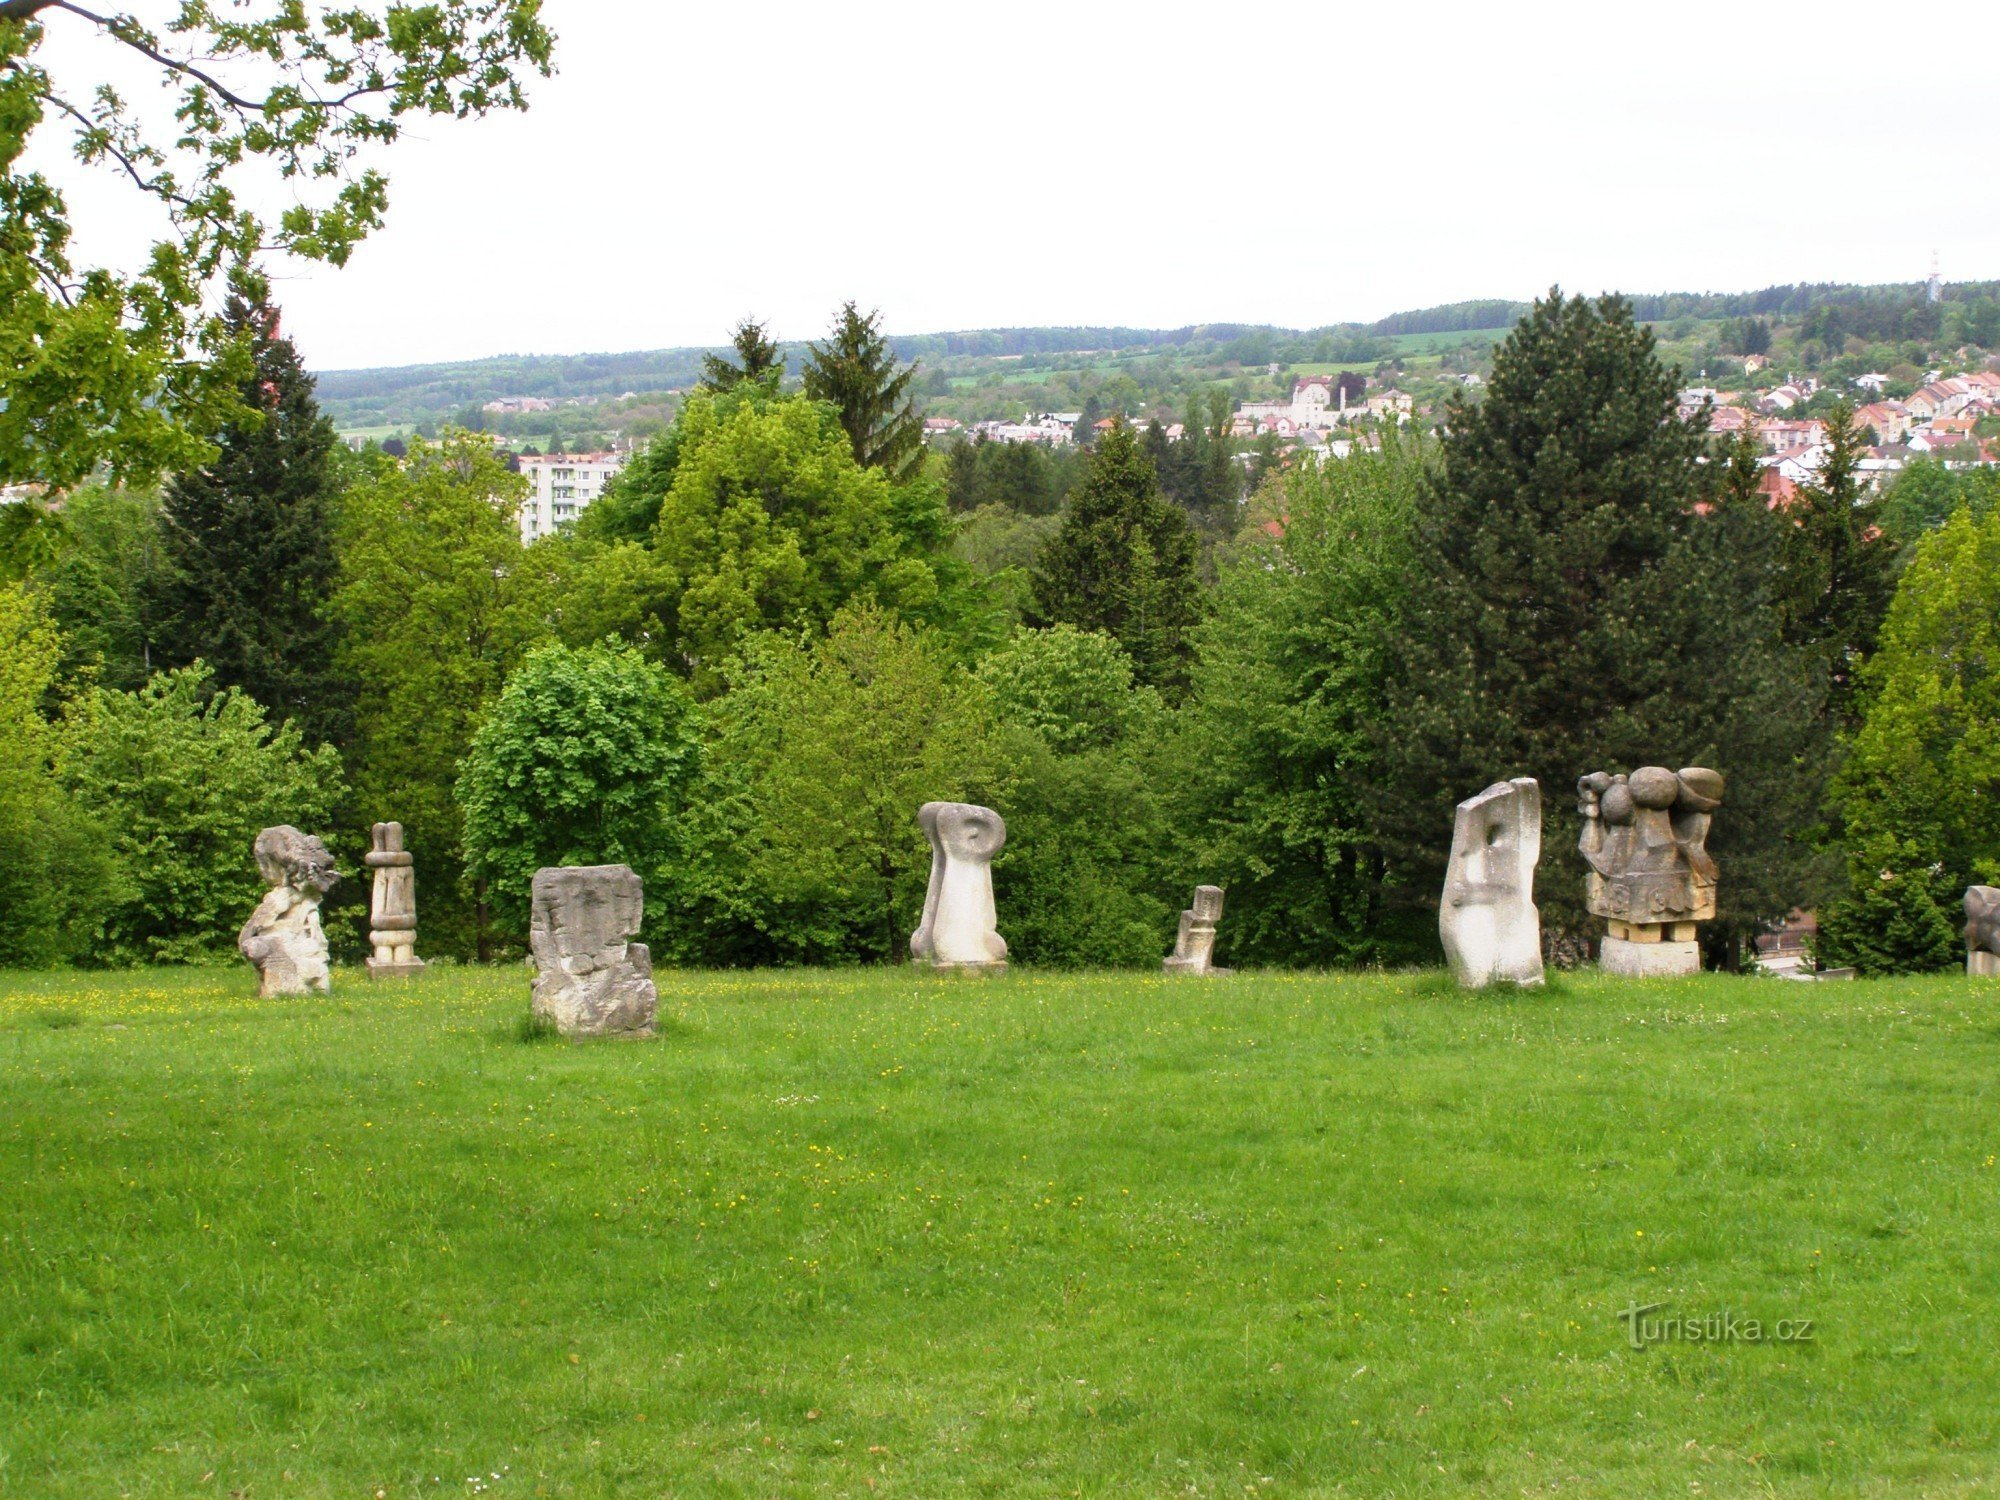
561	487
1889	419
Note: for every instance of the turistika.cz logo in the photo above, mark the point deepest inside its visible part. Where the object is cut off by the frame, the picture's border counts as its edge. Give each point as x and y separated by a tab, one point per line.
1643	1329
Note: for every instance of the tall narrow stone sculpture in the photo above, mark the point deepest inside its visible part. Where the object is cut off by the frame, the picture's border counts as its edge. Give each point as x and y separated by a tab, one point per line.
1645	838
1196	943
591	979
392	906
1488	920
1982	929
958	929
283	937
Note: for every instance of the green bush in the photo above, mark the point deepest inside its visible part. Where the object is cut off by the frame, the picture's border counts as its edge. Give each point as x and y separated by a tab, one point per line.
184	778
583	760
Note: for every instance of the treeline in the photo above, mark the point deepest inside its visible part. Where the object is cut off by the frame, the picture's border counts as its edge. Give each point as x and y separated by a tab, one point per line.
753	659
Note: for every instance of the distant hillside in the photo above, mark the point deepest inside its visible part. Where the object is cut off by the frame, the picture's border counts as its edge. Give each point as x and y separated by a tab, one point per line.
410	395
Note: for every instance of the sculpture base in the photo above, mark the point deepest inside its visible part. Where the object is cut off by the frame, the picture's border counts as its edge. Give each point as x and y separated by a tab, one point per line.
387	970
997	966
1197	967
1982	963
1648	960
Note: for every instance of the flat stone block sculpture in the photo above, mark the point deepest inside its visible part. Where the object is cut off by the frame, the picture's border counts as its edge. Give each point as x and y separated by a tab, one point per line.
1982	929
1488	920
1645	838
958	929
392	906
283	937
591	979
1196	943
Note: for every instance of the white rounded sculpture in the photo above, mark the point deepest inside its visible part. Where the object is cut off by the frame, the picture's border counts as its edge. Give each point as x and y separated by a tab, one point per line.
958	929
1488	920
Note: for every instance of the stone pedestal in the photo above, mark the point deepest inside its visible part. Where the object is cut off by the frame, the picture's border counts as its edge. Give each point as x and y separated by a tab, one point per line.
1649	960
1196	943
1986	965
392	908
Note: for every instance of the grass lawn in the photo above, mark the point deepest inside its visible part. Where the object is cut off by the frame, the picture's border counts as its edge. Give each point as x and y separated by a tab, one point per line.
877	1233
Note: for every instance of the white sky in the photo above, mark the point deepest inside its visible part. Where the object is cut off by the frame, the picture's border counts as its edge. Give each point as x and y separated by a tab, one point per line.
971	164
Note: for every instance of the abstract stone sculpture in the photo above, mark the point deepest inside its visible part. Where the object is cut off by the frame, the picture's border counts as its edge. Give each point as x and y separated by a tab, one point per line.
283	937
1982	929
1488	919
392	906
958	924
1196	942
1645	837
591	979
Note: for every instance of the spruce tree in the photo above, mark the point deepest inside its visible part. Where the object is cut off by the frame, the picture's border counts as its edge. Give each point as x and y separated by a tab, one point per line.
1840	569
1124	563
757	361
248	540
856	373
1576	608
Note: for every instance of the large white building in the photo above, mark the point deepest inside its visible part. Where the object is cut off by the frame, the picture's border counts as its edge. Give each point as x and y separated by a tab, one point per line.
560	485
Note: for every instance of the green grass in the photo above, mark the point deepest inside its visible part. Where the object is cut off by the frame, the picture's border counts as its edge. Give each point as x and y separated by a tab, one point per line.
877	1233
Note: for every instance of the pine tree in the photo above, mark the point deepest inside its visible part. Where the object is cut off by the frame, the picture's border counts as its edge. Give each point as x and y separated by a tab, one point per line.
249	547
758	360
855	372
1575	610
1124	563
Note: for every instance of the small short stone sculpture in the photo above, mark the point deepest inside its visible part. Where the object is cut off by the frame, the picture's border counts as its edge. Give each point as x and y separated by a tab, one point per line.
1645	837
1982	929
1196	943
392	907
1488	920
958	925
591	979
283	937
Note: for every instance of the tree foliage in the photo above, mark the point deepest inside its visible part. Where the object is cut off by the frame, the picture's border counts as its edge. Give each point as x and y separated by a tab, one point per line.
184	777
1124	563
1280	739
58	876
1574	610
1917	790
438	600
583	760
128	370
802	840
248	540
770	523
758	361
855	373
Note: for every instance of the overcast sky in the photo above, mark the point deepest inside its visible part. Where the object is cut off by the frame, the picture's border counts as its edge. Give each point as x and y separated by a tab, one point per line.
967	165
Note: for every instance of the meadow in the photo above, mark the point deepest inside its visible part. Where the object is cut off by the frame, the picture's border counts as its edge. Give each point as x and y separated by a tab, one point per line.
874	1232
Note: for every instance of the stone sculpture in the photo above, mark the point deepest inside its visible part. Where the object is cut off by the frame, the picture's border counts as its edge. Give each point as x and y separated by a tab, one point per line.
283	937
1488	920
1645	837
392	906
1982	929
958	924
591	979
1196	943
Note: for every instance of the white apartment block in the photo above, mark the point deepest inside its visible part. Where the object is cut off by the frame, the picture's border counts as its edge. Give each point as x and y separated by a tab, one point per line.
560	485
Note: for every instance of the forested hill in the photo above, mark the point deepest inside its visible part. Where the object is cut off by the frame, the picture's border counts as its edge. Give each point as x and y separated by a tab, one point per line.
413	393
